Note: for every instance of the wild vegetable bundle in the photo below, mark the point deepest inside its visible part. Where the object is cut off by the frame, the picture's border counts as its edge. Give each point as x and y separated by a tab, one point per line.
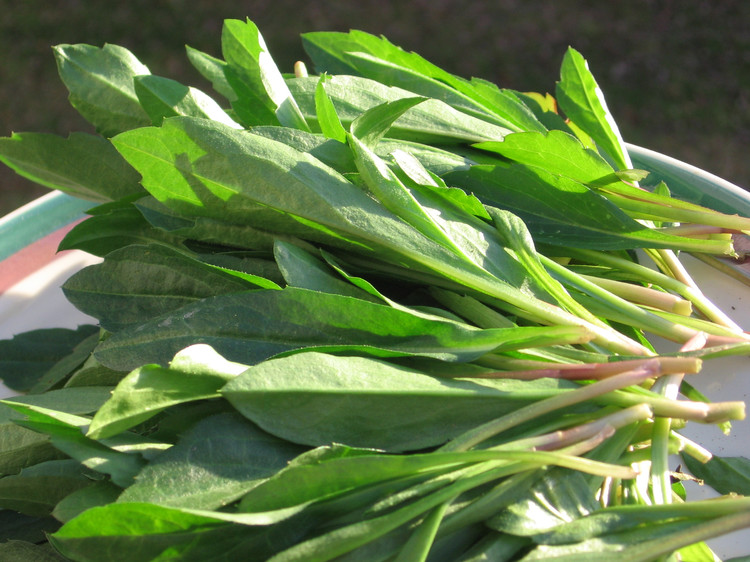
378	313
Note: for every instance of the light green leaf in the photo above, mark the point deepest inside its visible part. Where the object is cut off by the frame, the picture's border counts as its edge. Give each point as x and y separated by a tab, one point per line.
212	69
163	97
556	151
432	121
66	433
314	398
581	99
374	123
101	88
329	123
196	373
255	78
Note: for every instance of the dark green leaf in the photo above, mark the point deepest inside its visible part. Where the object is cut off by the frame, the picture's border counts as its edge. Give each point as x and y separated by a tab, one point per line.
136	283
21	551
726	475
21	447
203	229
28	356
95	494
220	459
37	489
56	162
67	365
14	525
114	226
302	269
253	326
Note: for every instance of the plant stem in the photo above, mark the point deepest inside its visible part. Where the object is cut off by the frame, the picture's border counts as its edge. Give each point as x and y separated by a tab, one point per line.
485	431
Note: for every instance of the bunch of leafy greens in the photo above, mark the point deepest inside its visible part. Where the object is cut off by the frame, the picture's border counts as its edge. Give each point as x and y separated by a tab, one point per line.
379	313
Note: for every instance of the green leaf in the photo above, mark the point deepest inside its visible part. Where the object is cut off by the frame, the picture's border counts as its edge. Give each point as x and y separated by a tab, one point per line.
204	229
562	211
218	172
328	150
163	97
113	226
374	123
65	431
26	357
431	122
22	551
391	74
212	69
146	531
196	373
101	88
302	269
556	151
376	58
328	121
581	99
96	494
497	547
136	283
37	489
339	157
255	78
726	475
314	398
66	366
216	462
253	326
56	162
21	447
227	175
558	497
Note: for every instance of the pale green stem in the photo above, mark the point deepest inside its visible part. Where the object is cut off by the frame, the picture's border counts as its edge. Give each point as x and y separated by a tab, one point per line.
474	436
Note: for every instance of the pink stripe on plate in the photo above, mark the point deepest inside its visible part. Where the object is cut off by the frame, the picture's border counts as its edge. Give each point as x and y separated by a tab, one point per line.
31	258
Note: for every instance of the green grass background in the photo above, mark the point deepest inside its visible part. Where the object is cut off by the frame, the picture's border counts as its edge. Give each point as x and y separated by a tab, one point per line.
676	74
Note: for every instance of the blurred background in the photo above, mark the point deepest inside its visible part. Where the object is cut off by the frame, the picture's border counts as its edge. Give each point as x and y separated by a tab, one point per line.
676	74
